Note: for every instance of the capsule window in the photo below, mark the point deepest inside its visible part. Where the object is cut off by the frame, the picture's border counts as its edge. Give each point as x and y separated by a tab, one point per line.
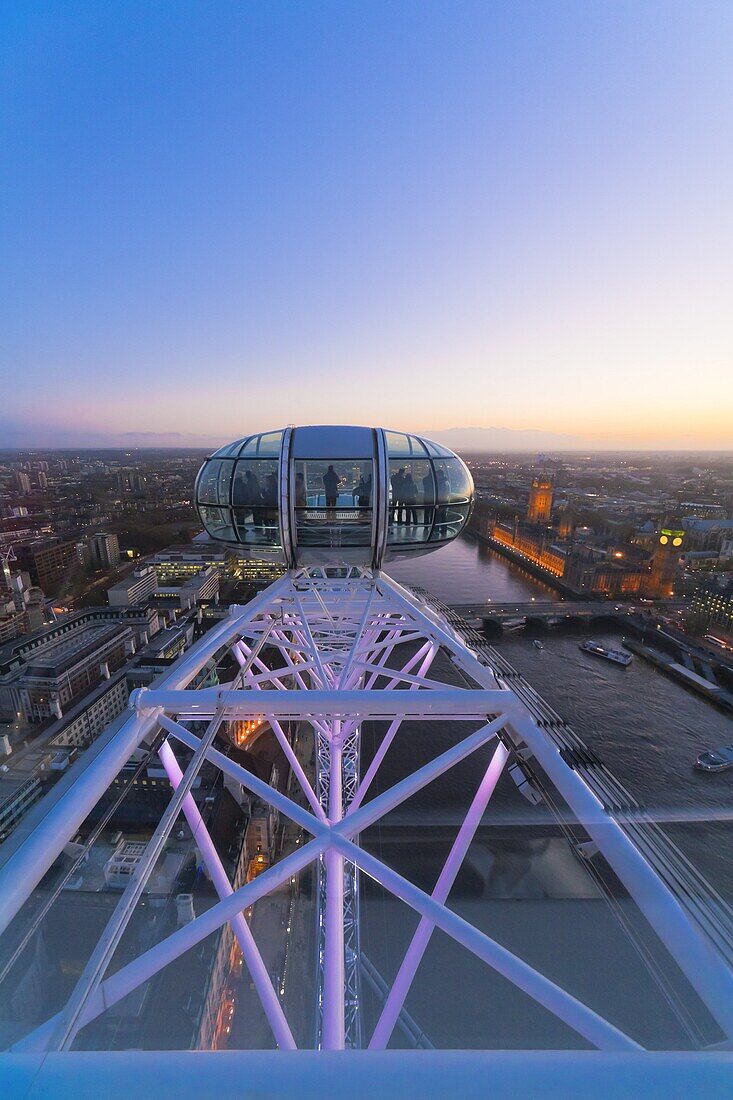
215	482
333	502
411	500
255	500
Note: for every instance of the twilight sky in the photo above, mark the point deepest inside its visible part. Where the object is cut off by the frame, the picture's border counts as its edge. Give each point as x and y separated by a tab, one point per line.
218	217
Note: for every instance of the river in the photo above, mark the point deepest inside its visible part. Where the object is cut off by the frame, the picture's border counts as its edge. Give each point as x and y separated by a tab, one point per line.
647	728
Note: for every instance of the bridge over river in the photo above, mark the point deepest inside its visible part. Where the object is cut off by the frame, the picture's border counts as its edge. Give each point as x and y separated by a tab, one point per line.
554	610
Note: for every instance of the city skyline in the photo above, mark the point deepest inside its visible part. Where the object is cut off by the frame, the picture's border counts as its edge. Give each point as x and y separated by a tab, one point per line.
469	439
429	216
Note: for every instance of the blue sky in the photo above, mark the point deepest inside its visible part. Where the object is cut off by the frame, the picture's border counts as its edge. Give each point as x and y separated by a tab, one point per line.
222	216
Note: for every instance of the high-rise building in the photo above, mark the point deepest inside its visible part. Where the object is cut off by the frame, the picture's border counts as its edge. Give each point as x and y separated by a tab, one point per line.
50	562
539	509
129	480
104	550
22	481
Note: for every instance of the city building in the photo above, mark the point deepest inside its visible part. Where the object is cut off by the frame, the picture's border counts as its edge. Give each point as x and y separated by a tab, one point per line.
707	534
594	573
665	563
190	589
565	524
59	672
539	509
82	723
712	603
104	550
130	480
532	546
13	623
182	561
21	605
133	589
17	795
143	621
51	563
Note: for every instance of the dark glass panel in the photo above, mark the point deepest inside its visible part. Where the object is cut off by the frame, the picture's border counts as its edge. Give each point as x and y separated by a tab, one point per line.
217	522
267	444
255	497
454	482
214	482
449	520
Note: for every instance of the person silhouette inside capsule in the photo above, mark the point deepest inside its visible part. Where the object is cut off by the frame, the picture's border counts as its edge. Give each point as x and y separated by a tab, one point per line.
301	497
246	489
428	496
362	495
409	498
269	500
397	481
331	486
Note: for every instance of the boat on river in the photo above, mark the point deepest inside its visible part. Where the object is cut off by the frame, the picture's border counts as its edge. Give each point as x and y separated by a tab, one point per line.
616	656
715	760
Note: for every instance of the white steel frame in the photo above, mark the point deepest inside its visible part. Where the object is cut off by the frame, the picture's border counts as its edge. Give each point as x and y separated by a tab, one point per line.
338	634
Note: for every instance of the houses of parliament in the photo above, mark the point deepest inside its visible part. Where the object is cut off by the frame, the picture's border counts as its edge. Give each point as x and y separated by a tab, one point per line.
577	561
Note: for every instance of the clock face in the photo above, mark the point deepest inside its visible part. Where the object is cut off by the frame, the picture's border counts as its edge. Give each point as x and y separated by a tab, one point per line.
663	540
677	541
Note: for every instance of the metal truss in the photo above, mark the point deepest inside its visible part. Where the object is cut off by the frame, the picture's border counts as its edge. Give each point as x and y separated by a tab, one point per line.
330	649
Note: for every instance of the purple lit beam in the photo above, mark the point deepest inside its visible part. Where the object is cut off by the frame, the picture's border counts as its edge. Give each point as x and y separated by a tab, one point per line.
418	945
252	957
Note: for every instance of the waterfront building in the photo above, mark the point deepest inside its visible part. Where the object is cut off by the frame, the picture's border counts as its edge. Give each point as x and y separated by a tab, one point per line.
664	570
712	602
533	546
593	572
539	509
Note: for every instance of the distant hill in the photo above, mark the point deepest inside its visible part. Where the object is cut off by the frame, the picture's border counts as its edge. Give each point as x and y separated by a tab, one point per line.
506	439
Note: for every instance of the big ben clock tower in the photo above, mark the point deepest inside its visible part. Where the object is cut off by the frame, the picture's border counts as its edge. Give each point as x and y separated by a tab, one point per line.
664	569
